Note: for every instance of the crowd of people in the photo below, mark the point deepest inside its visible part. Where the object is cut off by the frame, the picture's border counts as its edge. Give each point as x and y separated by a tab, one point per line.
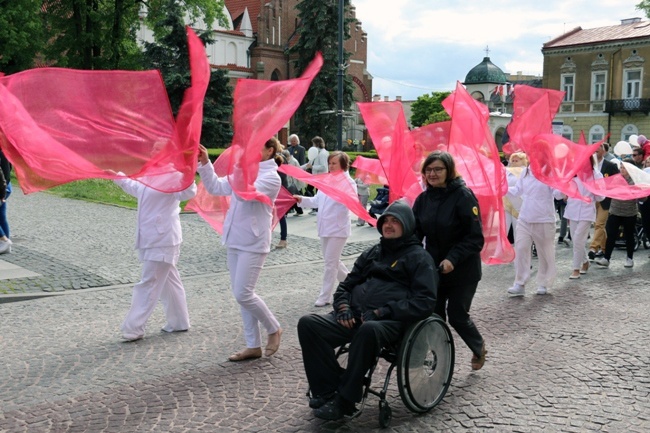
427	259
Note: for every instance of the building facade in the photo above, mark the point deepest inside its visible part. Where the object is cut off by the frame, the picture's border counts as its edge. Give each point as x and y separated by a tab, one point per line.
602	72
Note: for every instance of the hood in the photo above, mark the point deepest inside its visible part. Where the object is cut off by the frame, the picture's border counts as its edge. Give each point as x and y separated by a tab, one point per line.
403	213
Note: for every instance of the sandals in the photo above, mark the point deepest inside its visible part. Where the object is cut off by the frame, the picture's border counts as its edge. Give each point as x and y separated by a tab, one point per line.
246	354
273	343
584	268
477	362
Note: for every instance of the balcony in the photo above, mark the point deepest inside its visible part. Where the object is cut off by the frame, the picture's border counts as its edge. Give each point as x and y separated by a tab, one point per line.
627	106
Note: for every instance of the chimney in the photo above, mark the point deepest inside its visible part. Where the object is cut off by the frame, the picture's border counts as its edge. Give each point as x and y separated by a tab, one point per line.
376	98
398	98
386	98
627	21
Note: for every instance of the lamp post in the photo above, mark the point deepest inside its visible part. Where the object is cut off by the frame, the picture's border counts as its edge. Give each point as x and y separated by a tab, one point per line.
341	71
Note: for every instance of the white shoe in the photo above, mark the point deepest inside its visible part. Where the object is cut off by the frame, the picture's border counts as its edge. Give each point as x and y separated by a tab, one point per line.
602	261
629	263
321	304
132	337
516	290
5	246
541	290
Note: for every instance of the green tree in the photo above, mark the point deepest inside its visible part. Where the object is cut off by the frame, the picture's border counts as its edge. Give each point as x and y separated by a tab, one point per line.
99	34
644	6
318	31
428	109
21	35
169	55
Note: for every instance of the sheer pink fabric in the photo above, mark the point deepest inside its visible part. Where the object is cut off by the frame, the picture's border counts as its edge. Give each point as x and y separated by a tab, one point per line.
534	109
370	170
60	125
335	186
478	162
467	137
394	145
261	109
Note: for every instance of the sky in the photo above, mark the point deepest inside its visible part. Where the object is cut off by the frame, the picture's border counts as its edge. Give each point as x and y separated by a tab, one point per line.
416	47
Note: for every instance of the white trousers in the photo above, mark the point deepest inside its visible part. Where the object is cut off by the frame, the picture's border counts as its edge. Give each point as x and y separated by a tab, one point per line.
160	281
335	270
543	234
511	221
245	268
579	234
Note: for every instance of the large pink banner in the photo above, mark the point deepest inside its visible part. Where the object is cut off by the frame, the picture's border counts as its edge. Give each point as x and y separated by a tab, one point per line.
60	125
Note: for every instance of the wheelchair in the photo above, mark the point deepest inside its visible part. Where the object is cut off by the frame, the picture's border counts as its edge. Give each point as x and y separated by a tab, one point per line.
425	365
640	237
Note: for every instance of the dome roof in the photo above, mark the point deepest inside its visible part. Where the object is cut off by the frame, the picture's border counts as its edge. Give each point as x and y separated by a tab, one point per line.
485	72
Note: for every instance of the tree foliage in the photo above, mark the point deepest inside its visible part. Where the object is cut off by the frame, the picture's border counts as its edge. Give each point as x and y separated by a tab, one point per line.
97	34
21	35
318	31
644	6
428	109
170	55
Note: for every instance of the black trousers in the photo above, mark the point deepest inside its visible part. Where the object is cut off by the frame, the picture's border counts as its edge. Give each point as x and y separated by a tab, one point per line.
612	226
454	303
319	336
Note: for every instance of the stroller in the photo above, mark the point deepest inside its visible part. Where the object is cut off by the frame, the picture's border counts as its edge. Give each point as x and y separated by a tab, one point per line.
640	237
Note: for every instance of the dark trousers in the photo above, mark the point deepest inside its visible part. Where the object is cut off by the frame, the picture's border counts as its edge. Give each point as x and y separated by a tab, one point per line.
645	217
320	335
614	223
283	228
458	301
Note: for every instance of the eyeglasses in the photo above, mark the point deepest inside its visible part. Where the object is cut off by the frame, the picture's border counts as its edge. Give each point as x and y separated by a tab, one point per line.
436	170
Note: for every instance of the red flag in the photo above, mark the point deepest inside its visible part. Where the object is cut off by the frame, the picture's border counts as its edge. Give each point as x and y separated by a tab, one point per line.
370	170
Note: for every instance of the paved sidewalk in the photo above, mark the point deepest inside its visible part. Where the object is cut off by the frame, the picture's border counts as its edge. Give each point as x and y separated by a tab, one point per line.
575	360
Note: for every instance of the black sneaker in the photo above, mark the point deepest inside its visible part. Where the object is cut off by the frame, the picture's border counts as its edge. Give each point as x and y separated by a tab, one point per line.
600	254
335	409
591	254
319	400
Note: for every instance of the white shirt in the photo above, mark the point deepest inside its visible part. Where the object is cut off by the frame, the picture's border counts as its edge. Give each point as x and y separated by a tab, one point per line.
578	210
333	218
247	226
538	205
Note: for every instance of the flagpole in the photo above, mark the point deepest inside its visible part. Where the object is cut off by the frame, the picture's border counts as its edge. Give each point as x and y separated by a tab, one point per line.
339	98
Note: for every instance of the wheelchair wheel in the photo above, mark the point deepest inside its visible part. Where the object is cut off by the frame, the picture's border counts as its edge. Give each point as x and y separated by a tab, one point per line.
385	414
425	364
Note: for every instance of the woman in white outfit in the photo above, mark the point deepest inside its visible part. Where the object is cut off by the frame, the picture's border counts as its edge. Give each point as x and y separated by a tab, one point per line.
318	165
516	164
536	223
158	241
334	228
247	237
581	215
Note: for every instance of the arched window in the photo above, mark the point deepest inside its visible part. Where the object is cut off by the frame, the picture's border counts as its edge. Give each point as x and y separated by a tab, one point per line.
231	54
627	130
567	132
596	133
275	75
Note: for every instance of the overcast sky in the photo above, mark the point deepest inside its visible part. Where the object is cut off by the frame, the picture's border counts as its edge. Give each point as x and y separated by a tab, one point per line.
421	46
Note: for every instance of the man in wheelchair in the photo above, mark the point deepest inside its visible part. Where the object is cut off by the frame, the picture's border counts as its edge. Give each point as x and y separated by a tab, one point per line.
392	284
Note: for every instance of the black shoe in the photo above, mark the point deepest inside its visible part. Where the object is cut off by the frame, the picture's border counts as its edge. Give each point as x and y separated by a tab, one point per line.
335	409
560	240
319	400
599	254
591	254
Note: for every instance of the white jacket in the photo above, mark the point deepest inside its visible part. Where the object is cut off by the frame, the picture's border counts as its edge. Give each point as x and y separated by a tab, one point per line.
320	164
578	210
333	219
158	222
247	226
538	205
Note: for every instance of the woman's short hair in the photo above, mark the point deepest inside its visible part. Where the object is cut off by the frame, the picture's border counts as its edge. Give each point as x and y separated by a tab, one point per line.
344	159
446	159
520	155
293	136
318	142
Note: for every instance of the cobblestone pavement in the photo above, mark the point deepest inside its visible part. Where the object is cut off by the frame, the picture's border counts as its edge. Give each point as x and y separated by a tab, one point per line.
571	361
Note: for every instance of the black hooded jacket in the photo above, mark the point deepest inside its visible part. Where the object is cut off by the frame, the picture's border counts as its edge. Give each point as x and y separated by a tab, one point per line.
449	221
396	277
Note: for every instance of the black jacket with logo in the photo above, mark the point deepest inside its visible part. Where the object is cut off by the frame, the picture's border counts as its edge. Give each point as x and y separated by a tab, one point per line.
449	222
